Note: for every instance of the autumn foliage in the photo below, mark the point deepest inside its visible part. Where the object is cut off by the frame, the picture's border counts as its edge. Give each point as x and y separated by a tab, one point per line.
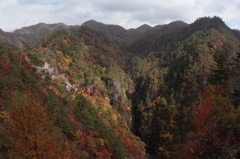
76	94
215	127
5	65
29	131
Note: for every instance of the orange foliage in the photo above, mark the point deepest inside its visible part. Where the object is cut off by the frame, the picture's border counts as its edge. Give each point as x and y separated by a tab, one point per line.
103	70
29	131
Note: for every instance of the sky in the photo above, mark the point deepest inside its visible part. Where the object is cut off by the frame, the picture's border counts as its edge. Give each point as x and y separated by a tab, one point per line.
15	14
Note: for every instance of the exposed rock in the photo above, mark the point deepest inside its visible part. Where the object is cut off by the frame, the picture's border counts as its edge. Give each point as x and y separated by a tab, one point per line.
118	92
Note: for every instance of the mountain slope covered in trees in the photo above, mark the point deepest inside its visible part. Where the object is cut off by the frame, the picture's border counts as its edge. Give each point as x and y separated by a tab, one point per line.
116	33
179	62
79	110
100	91
31	34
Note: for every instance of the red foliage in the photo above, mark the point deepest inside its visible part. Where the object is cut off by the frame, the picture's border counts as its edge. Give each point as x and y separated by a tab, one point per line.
10	89
214	134
105	153
5	65
23	61
68	77
204	111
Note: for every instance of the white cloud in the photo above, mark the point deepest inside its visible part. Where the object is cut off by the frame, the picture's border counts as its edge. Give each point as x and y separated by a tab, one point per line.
15	14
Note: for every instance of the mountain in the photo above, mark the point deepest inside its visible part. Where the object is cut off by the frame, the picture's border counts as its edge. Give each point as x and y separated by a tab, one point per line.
101	91
143	28
32	33
116	33
154	38
177	62
41	28
8	38
70	96
174	33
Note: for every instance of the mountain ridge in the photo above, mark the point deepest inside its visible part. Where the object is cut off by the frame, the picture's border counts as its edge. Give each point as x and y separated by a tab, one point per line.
171	86
115	32
32	33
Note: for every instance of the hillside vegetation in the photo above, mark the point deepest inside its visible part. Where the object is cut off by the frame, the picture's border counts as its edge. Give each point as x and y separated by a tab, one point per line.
100	91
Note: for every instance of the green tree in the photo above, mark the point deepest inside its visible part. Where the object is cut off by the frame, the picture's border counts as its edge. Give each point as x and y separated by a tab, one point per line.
222	73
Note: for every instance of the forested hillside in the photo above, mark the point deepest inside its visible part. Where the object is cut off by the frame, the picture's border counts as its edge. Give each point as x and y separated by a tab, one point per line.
31	34
100	91
62	98
176	96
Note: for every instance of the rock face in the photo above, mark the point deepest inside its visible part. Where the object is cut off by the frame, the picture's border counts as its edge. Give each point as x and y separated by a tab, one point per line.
118	98
54	75
117	93
48	67
117	90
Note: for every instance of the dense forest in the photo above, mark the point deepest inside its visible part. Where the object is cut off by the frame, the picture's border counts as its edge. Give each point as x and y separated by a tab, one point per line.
99	91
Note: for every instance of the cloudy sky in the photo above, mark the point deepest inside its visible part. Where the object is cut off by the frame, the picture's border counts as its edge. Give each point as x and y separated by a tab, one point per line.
15	14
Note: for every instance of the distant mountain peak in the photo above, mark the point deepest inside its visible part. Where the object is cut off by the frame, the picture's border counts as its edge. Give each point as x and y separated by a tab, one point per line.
92	23
61	23
209	22
33	33
143	28
37	27
178	23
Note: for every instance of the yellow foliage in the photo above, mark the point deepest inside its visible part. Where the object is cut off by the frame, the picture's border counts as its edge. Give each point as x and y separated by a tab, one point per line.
65	42
78	134
158	100
59	52
106	142
99	155
128	141
114	116
165	135
103	70
171	126
66	144
101	142
68	59
93	102
91	143
105	110
4	115
161	148
72	97
128	108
